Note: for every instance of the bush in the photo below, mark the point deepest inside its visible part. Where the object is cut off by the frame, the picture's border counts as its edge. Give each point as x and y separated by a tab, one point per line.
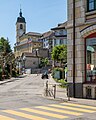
62	81
7	75
13	73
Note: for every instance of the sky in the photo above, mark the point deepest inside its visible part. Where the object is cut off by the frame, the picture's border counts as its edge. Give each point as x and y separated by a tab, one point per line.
40	16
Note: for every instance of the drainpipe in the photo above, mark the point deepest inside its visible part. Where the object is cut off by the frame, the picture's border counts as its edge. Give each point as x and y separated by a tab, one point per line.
74	48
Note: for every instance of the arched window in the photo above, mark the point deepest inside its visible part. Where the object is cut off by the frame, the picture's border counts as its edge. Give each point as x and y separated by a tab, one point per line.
21	26
91	5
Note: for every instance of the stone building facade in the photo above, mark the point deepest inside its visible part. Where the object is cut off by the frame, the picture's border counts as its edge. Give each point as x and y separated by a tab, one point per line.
82	82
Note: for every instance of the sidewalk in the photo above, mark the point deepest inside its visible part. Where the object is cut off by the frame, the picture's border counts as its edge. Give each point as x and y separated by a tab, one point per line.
63	97
61	93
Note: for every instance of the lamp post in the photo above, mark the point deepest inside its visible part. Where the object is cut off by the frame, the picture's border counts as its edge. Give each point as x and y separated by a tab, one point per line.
37	56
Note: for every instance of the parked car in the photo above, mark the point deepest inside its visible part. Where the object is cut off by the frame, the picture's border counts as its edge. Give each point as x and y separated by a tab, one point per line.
45	75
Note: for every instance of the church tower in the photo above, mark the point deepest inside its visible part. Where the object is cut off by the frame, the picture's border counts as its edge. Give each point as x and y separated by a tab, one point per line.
20	26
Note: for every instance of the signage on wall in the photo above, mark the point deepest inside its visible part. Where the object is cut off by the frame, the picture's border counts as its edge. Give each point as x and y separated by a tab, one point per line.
91	41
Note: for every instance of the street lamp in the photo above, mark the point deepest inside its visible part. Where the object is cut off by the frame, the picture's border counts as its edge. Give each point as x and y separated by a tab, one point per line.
37	56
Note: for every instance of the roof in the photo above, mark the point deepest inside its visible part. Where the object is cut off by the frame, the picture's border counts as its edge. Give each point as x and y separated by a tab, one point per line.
60	26
21	19
33	34
47	34
27	54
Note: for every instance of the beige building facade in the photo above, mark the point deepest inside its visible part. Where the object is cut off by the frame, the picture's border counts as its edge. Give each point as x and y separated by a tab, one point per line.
81	48
25	42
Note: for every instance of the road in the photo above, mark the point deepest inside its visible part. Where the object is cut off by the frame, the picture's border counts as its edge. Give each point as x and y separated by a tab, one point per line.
22	92
22	99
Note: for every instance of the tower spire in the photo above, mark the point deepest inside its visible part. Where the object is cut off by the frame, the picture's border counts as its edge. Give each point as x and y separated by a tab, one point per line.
20	11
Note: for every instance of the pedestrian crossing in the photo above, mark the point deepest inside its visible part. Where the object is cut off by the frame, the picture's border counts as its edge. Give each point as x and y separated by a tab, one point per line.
61	111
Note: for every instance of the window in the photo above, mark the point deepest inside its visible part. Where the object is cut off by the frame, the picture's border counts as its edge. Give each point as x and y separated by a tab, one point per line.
91	60
61	32
21	26
91	5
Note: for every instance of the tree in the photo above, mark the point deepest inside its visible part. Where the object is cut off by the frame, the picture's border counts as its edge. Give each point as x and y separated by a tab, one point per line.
44	62
5	54
5	47
59	53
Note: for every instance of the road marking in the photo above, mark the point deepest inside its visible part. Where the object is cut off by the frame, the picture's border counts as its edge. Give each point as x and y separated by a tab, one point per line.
60	111
71	108
78	105
5	118
78	110
44	113
21	114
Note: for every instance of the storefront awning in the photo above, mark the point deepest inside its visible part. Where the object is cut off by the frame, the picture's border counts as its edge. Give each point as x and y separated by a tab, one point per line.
89	48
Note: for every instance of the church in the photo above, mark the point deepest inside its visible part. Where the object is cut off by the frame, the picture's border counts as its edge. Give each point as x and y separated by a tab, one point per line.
25	42
28	47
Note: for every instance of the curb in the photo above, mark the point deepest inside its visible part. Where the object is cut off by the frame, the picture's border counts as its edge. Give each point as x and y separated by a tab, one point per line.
6	81
11	79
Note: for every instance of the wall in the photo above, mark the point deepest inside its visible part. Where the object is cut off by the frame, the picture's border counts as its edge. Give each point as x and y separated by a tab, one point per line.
31	62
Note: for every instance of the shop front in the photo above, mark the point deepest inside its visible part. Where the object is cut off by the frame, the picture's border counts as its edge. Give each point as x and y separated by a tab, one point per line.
89	86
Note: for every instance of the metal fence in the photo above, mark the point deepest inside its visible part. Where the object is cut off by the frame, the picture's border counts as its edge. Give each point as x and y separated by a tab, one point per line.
55	91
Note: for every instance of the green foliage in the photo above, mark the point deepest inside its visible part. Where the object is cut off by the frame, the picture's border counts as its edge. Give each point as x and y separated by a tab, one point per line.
58	69
14	74
59	53
44	62
62	82
7	57
5	46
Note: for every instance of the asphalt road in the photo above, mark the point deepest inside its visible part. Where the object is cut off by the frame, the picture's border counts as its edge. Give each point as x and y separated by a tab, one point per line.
23	92
22	99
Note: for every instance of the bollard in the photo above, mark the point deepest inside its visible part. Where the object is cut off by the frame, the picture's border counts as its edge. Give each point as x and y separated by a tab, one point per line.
54	86
68	93
46	88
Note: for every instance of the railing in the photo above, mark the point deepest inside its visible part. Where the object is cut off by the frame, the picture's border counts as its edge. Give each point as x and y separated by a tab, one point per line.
51	90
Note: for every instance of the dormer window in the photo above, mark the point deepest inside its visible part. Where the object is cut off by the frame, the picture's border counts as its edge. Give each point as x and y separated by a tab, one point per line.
91	5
